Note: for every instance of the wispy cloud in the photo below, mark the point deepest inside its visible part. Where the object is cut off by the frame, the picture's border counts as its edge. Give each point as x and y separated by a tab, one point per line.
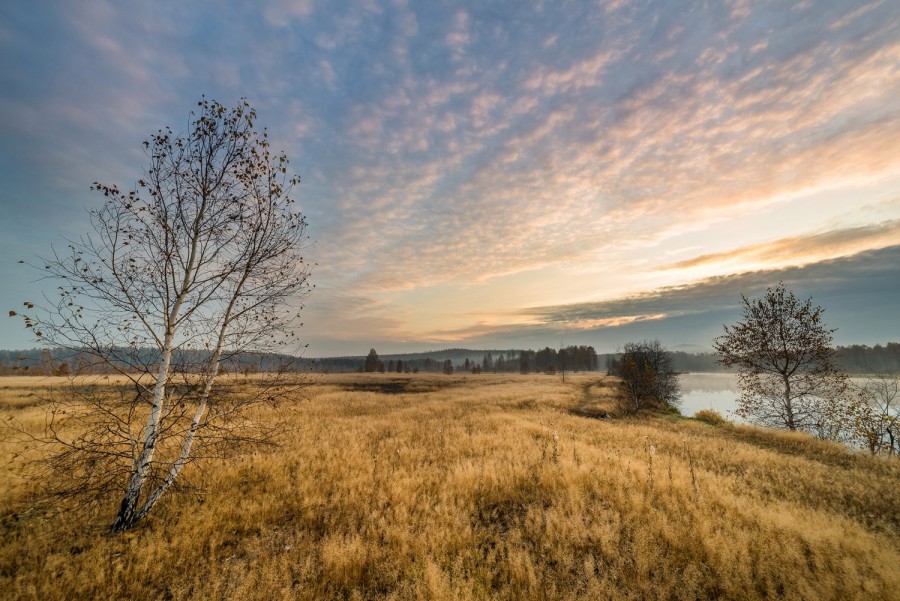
279	13
612	149
693	313
690	313
800	250
724	292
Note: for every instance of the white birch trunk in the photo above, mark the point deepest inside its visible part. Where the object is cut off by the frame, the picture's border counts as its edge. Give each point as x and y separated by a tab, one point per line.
212	373
127	510
188	440
126	515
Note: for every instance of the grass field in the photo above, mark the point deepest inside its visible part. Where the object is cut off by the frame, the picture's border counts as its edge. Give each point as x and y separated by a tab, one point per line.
476	487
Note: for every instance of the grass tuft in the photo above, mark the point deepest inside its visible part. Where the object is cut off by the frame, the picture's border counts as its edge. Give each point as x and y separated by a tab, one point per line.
711	417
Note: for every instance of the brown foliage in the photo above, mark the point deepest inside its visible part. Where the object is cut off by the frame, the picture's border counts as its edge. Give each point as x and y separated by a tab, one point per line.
787	369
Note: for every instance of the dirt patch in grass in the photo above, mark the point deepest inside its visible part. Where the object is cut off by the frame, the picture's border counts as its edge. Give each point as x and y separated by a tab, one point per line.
400	386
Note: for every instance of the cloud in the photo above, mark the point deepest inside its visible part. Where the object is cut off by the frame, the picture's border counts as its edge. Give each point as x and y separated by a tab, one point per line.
685	315
457	145
799	250
459	37
615	143
339	317
874	272
279	13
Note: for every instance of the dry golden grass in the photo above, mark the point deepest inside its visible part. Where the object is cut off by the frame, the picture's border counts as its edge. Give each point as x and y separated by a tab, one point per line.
478	487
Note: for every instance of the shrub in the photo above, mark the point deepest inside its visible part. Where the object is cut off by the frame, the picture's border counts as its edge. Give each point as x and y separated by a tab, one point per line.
648	380
711	417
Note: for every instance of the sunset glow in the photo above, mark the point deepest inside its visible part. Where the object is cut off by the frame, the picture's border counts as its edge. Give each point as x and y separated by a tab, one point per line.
497	176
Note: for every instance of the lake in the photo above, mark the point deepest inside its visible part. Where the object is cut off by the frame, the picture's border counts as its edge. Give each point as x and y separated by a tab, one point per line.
716	391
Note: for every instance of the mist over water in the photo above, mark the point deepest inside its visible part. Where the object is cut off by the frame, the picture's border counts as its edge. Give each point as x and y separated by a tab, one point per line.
716	391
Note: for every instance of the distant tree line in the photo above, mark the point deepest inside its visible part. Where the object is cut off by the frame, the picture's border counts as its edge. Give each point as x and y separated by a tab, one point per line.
63	362
546	360
853	359
877	359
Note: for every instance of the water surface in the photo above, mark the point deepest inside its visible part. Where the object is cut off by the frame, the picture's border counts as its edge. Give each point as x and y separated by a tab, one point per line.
716	391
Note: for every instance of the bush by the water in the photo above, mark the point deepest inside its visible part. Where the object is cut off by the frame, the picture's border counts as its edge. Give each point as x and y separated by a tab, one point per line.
711	417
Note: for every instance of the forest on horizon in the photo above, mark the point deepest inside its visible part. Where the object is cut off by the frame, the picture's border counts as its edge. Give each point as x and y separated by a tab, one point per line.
852	359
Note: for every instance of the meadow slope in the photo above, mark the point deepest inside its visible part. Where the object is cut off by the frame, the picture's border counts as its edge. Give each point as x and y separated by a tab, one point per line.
475	487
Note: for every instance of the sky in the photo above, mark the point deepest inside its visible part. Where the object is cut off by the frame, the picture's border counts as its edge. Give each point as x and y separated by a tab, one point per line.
495	174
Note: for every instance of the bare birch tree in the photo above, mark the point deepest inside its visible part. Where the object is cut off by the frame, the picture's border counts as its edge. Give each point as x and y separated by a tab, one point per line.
787	369
198	266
